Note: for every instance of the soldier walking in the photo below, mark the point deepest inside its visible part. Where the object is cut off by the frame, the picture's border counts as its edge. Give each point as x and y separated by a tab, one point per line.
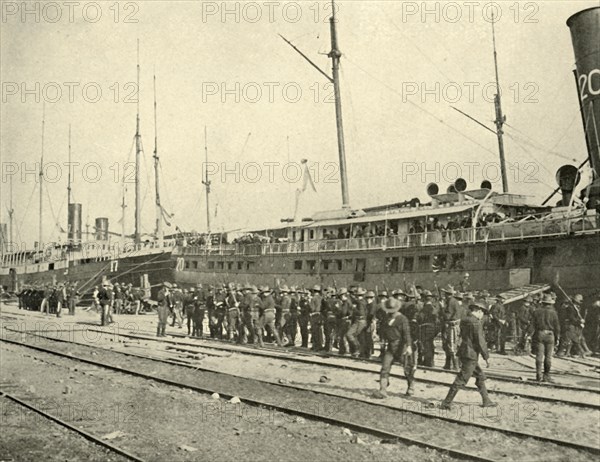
472	345
304	316
359	322
396	332
316	320
452	314
164	308
545	328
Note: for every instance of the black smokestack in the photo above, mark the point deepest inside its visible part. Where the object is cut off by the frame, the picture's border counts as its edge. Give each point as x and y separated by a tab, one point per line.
585	35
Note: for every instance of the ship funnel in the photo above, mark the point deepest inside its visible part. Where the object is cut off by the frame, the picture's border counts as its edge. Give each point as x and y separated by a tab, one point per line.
432	189
451	189
567	178
74	219
102	229
485	184
460	185
585	35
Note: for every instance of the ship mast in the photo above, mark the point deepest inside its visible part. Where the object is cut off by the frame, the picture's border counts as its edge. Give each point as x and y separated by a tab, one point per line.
206	182
138	151
159	228
500	118
69	184
335	56
11	212
41	175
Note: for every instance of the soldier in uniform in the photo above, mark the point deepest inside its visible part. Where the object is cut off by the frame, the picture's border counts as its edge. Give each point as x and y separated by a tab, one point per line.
284	309
500	324
233	314
164	308
268	314
316	320
106	297
367	336
72	296
396	332
198	316
304	316
451	316
291	326
428	321
245	316
255	326
472	345
61	299
344	315
380	316
574	322
545	328
189	308
523	318
177	297
45	305
329	314
211	312
359	322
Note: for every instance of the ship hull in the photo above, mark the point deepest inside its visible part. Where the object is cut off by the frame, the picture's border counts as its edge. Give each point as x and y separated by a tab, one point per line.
141	270
496	266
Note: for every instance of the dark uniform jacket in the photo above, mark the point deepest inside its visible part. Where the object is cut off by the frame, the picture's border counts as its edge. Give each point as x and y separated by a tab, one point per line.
453	311
472	340
545	319
396	331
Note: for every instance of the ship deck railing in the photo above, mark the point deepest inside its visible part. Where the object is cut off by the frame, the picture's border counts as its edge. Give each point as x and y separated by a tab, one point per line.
93	251
508	231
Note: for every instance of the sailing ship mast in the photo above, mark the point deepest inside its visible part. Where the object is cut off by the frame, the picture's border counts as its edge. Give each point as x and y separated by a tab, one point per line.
11	212
206	182
159	220
41	175
138	151
69	182
500	118
335	55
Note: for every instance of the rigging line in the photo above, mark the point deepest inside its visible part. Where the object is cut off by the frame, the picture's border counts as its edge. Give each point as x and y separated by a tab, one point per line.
27	208
565	131
541	148
52	212
529	152
420	108
393	90
431	61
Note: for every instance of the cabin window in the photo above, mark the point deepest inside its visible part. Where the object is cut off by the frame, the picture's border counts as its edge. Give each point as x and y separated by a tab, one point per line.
312	265
230	265
497	258
325	264
195	263
520	257
211	265
424	263
408	263
51	266
249	265
457	261
240	265
391	264
220	265
349	264
338	265
361	265
439	262
298	265
187	264
311	234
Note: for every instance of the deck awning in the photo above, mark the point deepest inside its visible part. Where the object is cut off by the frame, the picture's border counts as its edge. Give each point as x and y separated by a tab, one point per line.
396	215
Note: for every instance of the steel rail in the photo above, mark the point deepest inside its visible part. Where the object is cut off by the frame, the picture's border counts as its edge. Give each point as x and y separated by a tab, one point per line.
515	433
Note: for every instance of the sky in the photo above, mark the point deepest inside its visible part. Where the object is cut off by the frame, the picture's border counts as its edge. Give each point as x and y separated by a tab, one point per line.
223	66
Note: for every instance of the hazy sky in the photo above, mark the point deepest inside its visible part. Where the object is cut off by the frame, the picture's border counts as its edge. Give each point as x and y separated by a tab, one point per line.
223	65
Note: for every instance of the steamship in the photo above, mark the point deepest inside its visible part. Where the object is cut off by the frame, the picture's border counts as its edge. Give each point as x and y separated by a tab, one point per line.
142	260
501	239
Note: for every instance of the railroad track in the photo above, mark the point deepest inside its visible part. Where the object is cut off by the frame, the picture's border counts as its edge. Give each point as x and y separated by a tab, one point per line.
304	357
518	437
88	436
